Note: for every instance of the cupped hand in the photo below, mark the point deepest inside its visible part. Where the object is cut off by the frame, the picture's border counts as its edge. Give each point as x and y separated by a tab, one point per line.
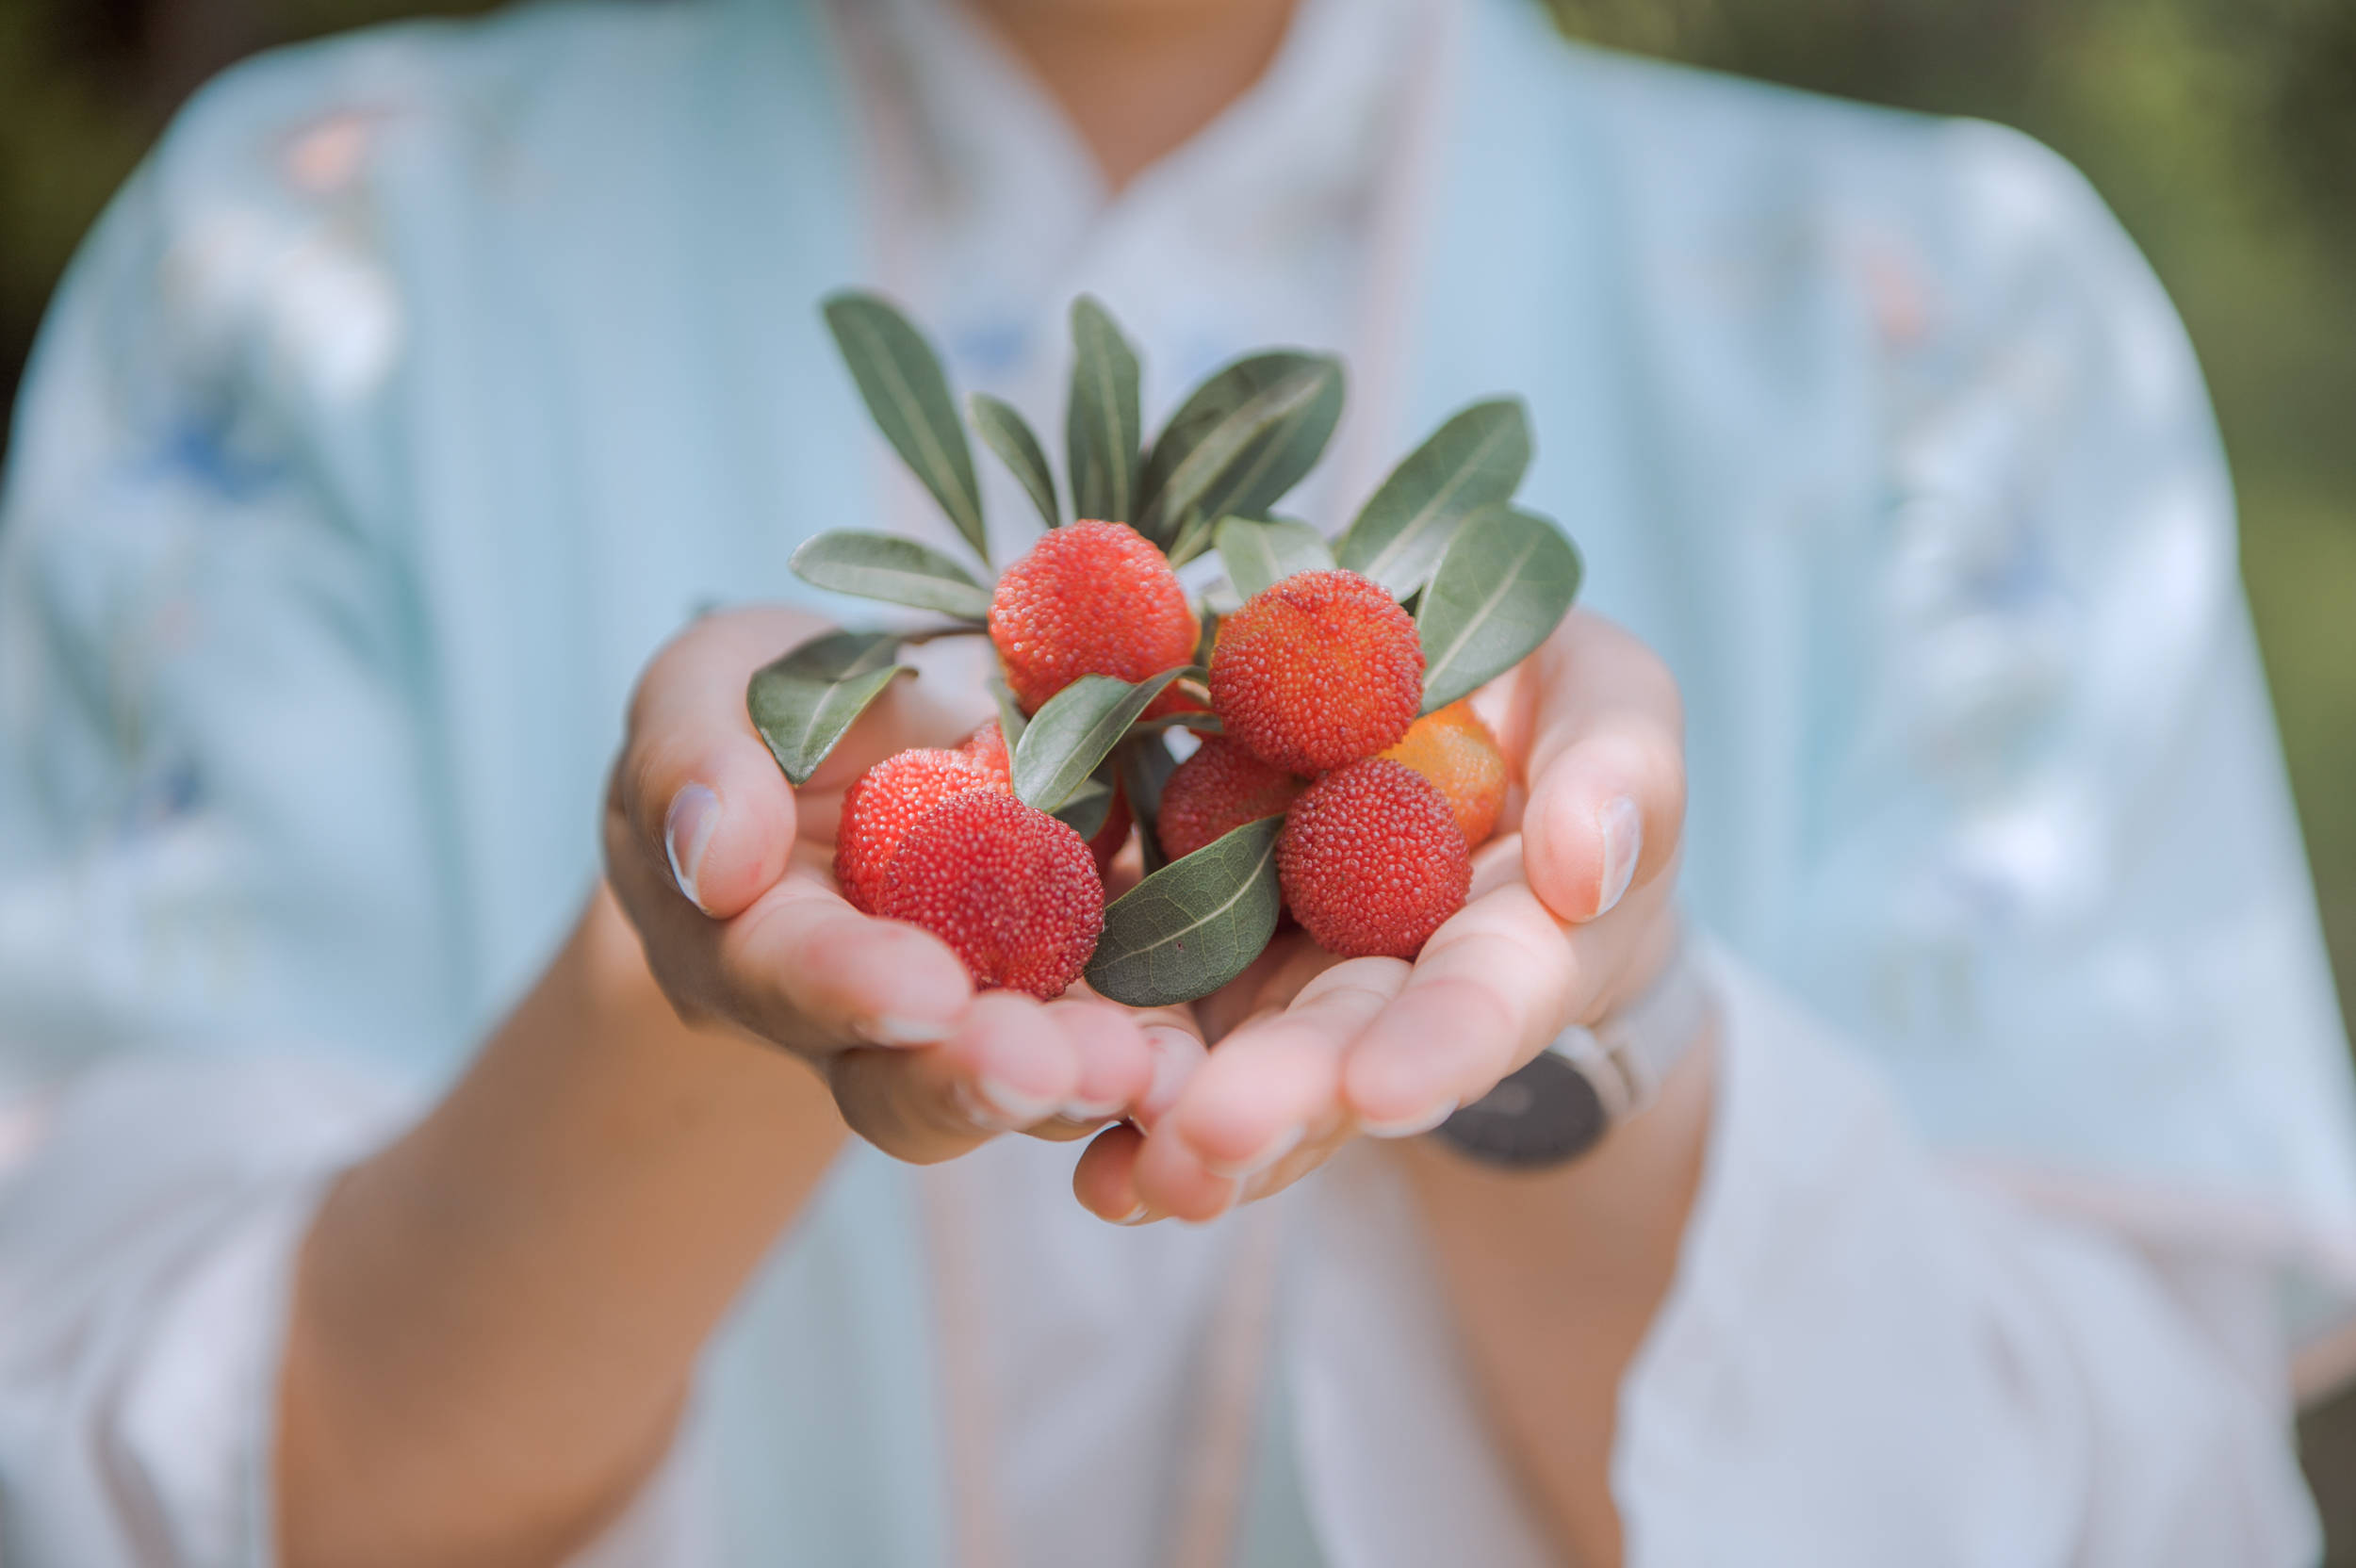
725	870
1571	915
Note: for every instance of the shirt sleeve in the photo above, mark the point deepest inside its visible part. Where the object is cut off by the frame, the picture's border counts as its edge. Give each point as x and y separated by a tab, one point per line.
231	957
1869	1356
2037	1093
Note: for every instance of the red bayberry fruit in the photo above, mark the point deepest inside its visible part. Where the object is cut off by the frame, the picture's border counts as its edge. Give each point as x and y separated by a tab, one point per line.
1217	791
1372	860
1090	598
987	746
883	803
1455	751
1012	889
1317	671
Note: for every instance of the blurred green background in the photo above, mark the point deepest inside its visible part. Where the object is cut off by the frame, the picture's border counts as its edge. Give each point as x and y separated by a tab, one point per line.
2222	131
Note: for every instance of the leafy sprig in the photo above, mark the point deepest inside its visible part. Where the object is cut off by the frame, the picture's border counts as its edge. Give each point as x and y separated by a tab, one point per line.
1487	582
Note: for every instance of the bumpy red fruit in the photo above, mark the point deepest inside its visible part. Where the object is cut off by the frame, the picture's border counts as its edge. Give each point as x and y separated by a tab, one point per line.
1014	892
1317	671
883	803
987	746
1090	598
1372	860
1217	791
1455	750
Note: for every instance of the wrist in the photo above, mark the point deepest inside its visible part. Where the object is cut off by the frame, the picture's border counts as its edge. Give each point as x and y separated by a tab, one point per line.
1596	1076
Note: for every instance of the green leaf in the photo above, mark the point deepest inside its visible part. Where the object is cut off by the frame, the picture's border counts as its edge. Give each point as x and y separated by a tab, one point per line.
1086	811
1220	394
803	702
1260	554
1193	925
1248	435
1010	717
1102	429
1505	584
1077	728
1474	460
1192	540
1200	723
1145	764
901	378
1009	436
899	571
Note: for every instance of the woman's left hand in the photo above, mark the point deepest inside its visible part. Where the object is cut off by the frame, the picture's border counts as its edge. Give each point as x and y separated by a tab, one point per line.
1571	915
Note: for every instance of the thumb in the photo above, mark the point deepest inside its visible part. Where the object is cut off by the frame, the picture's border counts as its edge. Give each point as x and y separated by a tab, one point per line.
705	802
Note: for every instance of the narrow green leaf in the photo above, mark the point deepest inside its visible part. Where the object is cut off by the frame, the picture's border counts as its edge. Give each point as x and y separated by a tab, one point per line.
1086	811
1009	436
1245	437
1259	554
1011	718
1474	460
1504	584
1193	925
906	390
803	702
1219	394
885	566
1077	728
1193	539
1202	724
1102	429
1144	764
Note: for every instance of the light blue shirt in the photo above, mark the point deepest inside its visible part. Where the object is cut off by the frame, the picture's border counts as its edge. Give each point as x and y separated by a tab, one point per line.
423	383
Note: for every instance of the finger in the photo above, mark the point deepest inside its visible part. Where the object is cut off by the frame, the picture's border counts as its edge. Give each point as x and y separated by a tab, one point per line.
1270	1088
1491	989
698	791
1010	1064
804	968
1104	1181
1115	1066
1600	733
1178	1055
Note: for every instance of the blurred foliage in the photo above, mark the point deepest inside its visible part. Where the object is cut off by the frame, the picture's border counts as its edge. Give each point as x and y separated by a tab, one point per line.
2222	131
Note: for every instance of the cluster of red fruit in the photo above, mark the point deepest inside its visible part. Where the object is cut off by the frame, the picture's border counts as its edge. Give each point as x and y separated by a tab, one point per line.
1338	773
1315	683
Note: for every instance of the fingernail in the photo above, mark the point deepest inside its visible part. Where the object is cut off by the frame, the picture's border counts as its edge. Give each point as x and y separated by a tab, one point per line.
893	1030
687	829
1623	846
1269	1152
1088	1110
1408	1127
1134	1216
1005	1109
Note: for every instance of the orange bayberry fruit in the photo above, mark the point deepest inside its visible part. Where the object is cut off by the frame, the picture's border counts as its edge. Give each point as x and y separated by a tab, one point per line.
1455	750
1090	598
1317	671
1372	860
1217	791
883	803
987	747
1012	889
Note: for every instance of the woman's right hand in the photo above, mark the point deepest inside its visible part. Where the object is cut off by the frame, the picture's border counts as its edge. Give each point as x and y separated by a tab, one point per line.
726	871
